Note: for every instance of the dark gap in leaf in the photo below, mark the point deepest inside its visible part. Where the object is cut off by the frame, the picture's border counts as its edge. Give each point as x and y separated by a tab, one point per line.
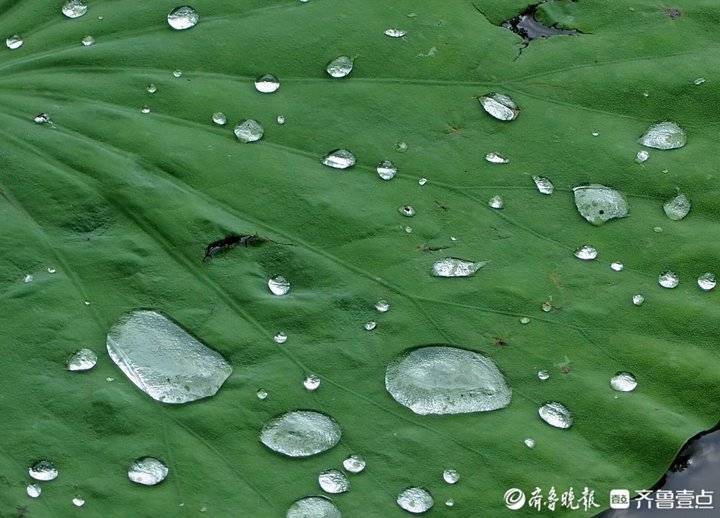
231	241
529	28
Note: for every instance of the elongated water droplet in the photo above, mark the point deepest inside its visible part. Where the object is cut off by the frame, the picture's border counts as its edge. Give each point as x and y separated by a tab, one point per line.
339	67
543	375
74	8
267	84
87	41
301	433
280	337
147	471
43	470
339	159
451	476
151	88
617	266
382	306
543	185
530	443
495	158
668	280
82	360
598	204
249	130
496	202
354	464
642	156
14	42
623	382
707	281
556	414
446	380
407	210
313	507
333	481
183	17
163	360
677	208
33	490
500	106
454	267
586	253
279	285
312	382
395	33
415	500
219	118
386	170
78	502
638	299
699	81
664	135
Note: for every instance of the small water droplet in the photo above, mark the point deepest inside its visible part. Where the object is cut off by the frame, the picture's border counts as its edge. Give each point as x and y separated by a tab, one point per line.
382	306
664	135
530	443
151	88
78	502
668	280
267	84
87	41
280	119
677	208
219	118
280	337
642	156
51	270
495	158
524	321
707	281
145	109
595	133
370	326
177	73
407	210
543	375
451	476
386	170
543	185
14	42
333	481
354	464
623	382
339	67
408	230
617	266
279	285
33	490
500	106
183	17
454	267
586	253
598	203
415	500
699	81
74	8
147	471
547	306
261	394
556	414
401	147
339	159
395	33
638	299
82	360
43	470
496	202
301	433
42	118
28	278
449	502
311	382
422	181
249	130
313	506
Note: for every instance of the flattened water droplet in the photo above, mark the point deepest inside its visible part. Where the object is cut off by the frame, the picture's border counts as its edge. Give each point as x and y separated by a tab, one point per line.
707	281
43	470
415	500
313	507
664	135
524	320
219	118
249	130
677	208
407	210
78	502
668	280
280	338
267	84
500	106
386	170
617	266
543	375
496	202
339	159
495	158
598	203
74	8
147	471
454	267
145	109
638	299
183	17
699	81
14	42
33	490
279	286
333	481
586	253
87	41
370	326
261	394
543	185
451	476
312	382
623	382
556	414
395	33
530	443
339	67
446	380
354	464
301	433
382	305
163	360
82	360
642	156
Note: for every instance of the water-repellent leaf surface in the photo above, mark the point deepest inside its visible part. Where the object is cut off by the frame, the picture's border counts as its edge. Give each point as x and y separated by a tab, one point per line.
121	205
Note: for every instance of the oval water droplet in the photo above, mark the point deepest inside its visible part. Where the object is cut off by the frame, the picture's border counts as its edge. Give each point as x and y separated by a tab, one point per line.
280	337
219	118
415	500
311	382
78	502
495	158
586	253
145	109
544	186
313	507
87	41
267	84
354	464
668	280
382	305
43	470
14	42
496	202
33	490
556	414
617	266
301	433
386	170
74	8
279	285
598	203
664	135
249	130
147	471
543	375
677	208
183	17
451	476
339	159
339	67
395	33
500	106
623	382
333	481
407	210
524	320
454	267
707	281
82	360
446	380
638	299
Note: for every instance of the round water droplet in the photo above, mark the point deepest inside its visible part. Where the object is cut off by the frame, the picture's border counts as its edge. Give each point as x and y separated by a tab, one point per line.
183	17
145	109
586	253
677	208
556	414
177	73
617	266
638	299
598	204
43	470
279	285
707	281
395	33
642	156
623	382
451	476
261	394
219	118
249	130
82	360
311	382
668	280
664	135
543	375
333	481
354	464
78	502
74	8
530	443
151	88
280	337
500	106
495	158
496	202
147	471
382	306
415	500
87	41
339	159
386	170
313	507
267	84
340	67
301	433
370	326
544	186
14	42
407	210
280	119
33	490
446	380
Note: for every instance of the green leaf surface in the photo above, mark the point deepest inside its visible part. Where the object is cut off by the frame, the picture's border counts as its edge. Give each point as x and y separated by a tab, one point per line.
122	204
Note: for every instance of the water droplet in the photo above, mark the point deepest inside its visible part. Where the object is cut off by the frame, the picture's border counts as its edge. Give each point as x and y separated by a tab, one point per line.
28	278
163	360
301	433
14	42
707	281
51	269
280	119
543	185
677	208
261	394
382	306
595	133
312	382
354	464
340	67
598	204
664	135
333	481
370	326
313	507
422	181
279	285
147	471
219	118
82	360
668	279
547	306
454	267
339	159
623	382
642	156
151	88
415	500
586	253
386	170
408	230
699	81
500	106
42	118
524	320
530	443
249	130
43	470
617	266
78	502
280	337
183	17
657	229
449	502
446	380
145	109
496	202
543	375
87	41
495	158
267	84
638	299
451	476
395	33
74	8
401	147
177	73
33	490
556	414
407	210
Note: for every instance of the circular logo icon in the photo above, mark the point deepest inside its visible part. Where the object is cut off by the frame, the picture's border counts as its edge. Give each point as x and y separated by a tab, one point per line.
514	498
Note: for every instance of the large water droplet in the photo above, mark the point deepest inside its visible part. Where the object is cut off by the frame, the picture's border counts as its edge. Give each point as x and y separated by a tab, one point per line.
33	490
82	360
386	170
382	305
354	464
707	281
395	33
556	414
638	299
495	158
279	286
664	135
586	253
415	500
43	470
446	380
339	159
313	507
333	481
249	130
163	360
183	17
454	267
451	476
617	266
543	185
14	42
311	382
500	106
677	208
301	433
267	84
668	280
623	382
496	202
147	471
598	204
280	337
74	8
340	67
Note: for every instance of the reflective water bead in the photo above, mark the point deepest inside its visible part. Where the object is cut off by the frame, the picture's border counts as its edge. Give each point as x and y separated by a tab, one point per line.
617	266
354	464
280	119
87	41
74	8
668	279
313	506
311	382
586	253
500	106
42	118
151	88
147	471
82	360
382	306
707	281
248	131
33	490
279	285
301	433
386	170
183	17
543	185
14	42
261	394
415	500
339	159
145	109
177	73
333	481
407	210
664	135
496	202
638	299
454	267
395	33
599	204
78	502
495	158
556	415
530	443
267	84
219	118
422	181
339	67
677	208
43	470
370	326
623	382
451	476
280	338
642	156
543	375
